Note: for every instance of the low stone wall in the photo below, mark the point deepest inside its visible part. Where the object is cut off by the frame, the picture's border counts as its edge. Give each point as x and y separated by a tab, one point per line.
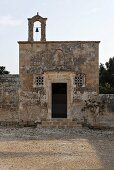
9	98
107	120
99	111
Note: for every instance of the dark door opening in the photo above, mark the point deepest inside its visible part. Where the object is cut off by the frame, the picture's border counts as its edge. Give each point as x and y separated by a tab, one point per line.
59	100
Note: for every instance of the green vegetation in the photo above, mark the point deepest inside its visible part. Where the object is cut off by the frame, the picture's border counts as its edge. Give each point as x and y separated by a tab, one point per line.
3	70
106	77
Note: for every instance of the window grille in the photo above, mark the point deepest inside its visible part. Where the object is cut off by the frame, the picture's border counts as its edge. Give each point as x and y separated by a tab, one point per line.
40	81
79	80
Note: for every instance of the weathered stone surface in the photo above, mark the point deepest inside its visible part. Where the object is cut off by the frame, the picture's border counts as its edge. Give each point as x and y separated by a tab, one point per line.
56	62
107	120
9	107
9	98
31	22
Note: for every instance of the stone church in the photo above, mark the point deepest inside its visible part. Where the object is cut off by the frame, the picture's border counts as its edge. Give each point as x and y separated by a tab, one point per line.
55	77
55	80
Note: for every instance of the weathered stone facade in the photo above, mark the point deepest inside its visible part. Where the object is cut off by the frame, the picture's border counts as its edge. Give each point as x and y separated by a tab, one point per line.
56	62
29	98
72	62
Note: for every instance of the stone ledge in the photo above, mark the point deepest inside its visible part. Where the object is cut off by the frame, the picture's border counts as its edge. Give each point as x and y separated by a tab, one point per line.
45	42
60	123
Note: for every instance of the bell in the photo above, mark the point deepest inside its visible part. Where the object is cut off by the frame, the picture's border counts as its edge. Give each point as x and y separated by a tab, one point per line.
37	30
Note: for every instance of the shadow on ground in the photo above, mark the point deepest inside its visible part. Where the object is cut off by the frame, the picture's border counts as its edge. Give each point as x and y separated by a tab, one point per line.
46	149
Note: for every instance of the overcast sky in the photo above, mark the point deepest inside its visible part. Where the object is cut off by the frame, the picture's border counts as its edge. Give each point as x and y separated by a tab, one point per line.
67	20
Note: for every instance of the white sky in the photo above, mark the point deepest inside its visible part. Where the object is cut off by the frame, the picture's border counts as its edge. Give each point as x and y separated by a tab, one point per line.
67	20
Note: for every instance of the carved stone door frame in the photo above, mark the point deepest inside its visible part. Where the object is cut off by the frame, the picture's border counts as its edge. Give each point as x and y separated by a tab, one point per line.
59	77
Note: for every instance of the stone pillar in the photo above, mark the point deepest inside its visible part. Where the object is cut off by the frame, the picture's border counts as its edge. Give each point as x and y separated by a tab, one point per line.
43	31
30	30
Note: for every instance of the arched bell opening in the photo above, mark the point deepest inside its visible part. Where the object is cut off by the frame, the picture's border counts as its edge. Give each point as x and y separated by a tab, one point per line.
37	31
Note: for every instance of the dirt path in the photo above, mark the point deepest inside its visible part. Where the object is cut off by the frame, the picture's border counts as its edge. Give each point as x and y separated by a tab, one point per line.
56	149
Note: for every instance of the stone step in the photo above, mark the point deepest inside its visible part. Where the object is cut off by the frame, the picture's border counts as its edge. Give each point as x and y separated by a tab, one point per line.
60	123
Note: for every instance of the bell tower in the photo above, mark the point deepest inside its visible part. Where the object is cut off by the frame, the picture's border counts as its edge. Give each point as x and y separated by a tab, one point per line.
31	22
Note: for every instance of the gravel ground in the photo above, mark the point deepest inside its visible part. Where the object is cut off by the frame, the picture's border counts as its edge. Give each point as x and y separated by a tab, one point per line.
56	149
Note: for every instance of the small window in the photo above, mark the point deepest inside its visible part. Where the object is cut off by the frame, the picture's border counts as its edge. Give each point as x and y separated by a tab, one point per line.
39	81
79	80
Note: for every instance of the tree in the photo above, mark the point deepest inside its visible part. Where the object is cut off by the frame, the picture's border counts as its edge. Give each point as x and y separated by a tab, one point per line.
3	70
106	77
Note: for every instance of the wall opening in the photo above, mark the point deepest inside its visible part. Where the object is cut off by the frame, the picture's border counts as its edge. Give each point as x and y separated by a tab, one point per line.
59	100
37	31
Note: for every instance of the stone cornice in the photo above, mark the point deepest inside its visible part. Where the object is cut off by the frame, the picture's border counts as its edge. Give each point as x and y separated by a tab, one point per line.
39	42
